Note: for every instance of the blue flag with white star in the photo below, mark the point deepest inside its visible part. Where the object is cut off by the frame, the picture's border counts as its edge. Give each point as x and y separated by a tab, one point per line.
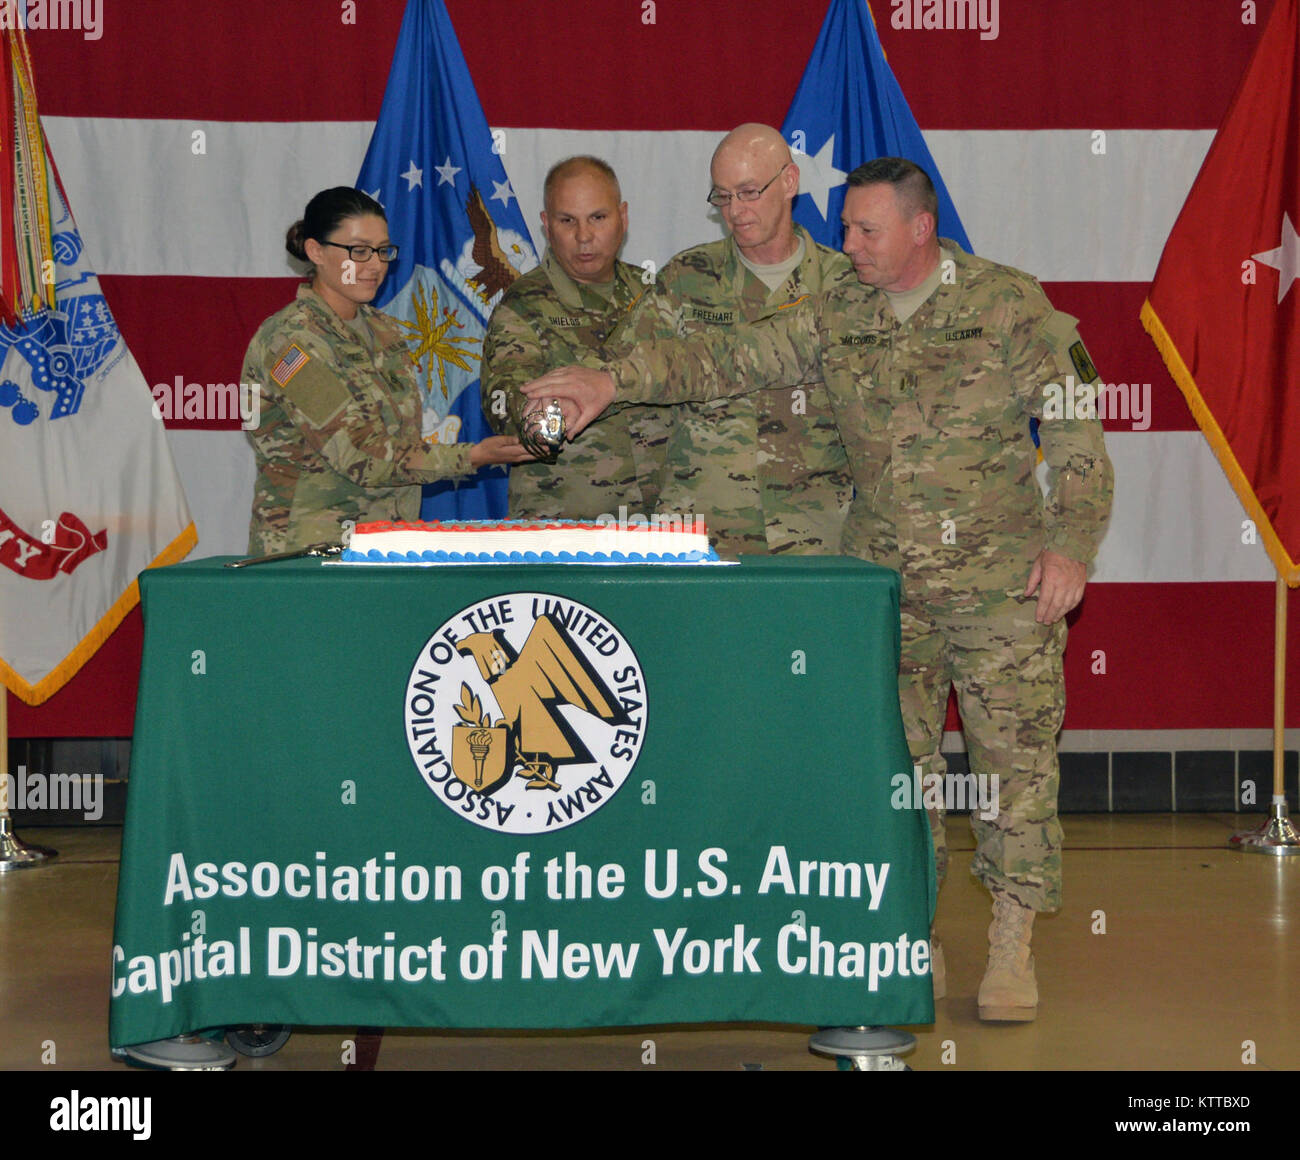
847	111
435	167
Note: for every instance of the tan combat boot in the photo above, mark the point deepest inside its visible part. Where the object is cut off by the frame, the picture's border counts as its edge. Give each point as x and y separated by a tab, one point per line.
1009	991
938	970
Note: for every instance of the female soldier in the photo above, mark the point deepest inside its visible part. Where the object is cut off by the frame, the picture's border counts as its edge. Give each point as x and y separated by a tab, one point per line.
339	437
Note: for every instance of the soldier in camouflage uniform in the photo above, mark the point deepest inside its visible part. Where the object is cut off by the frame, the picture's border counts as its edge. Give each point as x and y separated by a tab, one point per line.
573	308
935	361
339	435
766	470
339	432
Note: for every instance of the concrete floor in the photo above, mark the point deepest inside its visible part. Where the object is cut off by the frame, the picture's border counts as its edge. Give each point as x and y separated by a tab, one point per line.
1199	952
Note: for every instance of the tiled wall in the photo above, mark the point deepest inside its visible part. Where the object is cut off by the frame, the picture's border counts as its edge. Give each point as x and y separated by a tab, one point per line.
1092	781
1185	781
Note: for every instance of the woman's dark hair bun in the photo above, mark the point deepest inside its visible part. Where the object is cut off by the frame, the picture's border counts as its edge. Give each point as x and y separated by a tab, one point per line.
293	241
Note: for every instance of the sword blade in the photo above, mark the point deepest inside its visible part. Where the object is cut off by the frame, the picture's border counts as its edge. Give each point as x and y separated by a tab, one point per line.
320	550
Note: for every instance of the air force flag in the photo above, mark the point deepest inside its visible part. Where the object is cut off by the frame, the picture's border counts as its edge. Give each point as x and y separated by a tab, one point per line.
436	168
847	111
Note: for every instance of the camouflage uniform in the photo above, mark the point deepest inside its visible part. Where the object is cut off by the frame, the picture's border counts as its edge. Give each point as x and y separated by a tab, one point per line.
767	470
544	320
934	414
339	437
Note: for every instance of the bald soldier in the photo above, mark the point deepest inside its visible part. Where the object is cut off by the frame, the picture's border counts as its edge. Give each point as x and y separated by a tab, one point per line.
767	471
572	308
935	361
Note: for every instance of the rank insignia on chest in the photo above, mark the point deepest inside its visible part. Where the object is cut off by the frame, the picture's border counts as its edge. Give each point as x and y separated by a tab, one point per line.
291	362
905	385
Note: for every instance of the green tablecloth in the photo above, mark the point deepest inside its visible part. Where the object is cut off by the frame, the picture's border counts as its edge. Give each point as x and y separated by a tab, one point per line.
305	844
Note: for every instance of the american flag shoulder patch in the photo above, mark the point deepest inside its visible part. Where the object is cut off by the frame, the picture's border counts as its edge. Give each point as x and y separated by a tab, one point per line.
291	362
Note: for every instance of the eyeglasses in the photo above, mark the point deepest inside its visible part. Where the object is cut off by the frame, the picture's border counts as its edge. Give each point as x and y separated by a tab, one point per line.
722	200
362	253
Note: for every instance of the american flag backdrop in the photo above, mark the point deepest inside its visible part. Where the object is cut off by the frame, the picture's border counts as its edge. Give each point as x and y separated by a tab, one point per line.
190	134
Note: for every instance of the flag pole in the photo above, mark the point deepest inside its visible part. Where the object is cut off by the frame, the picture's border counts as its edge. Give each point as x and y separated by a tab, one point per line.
14	854
1276	836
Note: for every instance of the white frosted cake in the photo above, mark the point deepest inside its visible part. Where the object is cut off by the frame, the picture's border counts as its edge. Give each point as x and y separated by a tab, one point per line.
531	542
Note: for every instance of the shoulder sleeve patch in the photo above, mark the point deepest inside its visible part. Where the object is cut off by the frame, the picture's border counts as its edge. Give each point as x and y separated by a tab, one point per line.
1082	363
291	362
316	391
1061	332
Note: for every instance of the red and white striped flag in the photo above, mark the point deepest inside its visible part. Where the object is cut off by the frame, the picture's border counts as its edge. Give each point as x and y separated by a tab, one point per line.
191	134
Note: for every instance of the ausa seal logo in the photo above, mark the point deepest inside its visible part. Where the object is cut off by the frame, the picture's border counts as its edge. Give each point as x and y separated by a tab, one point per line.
525	713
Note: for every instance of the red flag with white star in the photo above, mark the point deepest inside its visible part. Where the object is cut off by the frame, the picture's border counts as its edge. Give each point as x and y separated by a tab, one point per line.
1224	308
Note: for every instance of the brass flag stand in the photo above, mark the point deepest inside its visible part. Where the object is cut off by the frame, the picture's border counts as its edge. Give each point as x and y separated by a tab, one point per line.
1277	836
14	854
